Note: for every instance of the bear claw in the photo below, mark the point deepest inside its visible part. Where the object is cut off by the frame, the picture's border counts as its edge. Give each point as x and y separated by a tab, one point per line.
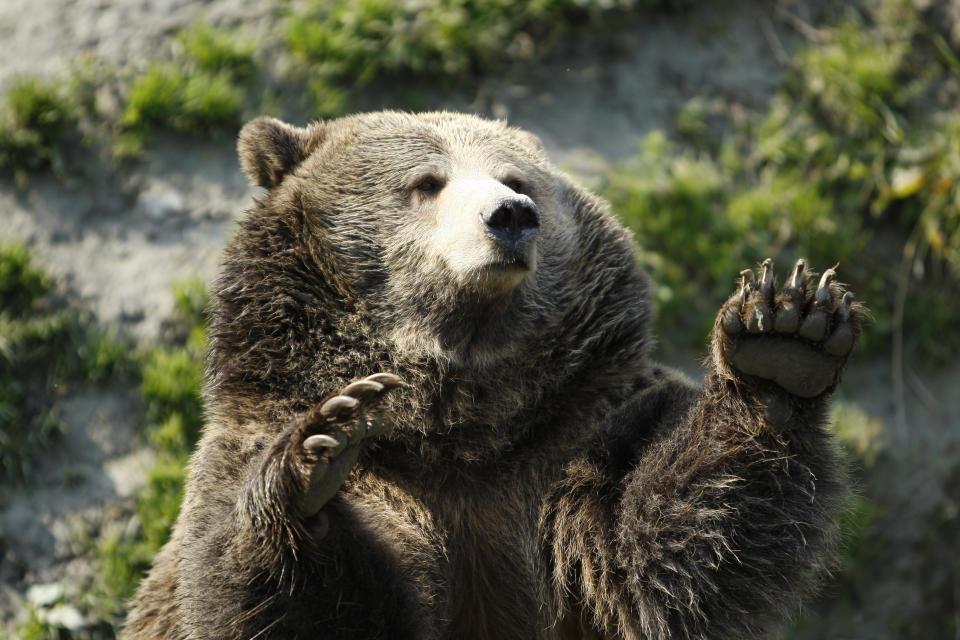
823	299
362	389
346	418
846	304
798	279
746	284
388	380
320	441
339	407
766	280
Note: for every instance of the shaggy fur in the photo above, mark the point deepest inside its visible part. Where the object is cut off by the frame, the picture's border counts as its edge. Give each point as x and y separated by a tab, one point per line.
541	477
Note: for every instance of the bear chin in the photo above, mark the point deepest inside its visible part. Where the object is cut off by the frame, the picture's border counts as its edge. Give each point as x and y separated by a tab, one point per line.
502	278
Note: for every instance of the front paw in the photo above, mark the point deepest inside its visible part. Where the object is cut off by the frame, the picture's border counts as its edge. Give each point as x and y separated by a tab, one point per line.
799	338
329	438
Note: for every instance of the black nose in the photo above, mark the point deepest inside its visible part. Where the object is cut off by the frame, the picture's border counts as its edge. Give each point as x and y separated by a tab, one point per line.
513	220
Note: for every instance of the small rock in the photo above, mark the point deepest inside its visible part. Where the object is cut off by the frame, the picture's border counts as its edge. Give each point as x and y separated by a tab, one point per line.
60	235
44	595
65	616
130	313
161	202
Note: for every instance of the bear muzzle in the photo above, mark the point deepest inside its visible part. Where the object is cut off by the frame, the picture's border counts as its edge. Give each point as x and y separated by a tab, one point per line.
513	222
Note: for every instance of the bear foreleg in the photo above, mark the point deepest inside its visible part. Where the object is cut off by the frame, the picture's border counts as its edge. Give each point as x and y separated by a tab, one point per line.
725	516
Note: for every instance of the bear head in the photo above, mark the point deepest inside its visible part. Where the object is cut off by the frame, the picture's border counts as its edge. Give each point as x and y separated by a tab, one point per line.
438	221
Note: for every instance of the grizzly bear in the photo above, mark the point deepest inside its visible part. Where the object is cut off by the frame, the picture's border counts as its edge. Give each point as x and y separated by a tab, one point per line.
432	412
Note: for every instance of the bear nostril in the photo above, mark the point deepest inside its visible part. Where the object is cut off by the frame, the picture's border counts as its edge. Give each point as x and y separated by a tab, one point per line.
513	217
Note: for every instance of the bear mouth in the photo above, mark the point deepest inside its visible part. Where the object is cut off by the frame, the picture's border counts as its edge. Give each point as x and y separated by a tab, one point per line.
518	261
505	271
511	259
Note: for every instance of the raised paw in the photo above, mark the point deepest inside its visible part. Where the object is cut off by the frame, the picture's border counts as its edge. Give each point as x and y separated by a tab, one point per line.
330	436
798	338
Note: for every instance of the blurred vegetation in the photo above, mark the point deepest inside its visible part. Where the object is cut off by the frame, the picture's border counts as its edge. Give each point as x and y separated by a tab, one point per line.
38	116
348	43
47	348
204	88
172	375
212	80
36	628
857	157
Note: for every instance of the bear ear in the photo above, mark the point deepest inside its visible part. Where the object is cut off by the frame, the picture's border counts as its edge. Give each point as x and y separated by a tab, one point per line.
531	139
269	149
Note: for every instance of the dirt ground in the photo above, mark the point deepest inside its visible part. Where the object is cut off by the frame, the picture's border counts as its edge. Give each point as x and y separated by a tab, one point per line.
119	239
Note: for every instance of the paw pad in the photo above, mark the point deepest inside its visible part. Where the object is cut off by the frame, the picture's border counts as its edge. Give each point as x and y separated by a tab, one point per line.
798	338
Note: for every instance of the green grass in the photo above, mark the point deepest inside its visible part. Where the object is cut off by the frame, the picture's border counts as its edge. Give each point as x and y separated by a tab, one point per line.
171	378
35	628
37	116
204	89
204	86
344	43
20	282
184	100
215	50
47	348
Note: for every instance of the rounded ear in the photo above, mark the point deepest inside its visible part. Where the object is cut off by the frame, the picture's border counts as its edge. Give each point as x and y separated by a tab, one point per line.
530	139
269	149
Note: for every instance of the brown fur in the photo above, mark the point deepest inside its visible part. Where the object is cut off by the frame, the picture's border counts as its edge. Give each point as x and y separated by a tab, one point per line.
543	478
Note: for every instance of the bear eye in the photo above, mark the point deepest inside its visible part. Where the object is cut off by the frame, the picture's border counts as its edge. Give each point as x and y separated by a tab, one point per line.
429	185
515	184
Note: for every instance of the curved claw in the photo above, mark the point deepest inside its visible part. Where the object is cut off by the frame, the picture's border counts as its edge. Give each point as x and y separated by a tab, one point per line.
320	441
388	380
845	305
362	388
338	406
746	284
788	318
823	298
841	341
766	280
797	280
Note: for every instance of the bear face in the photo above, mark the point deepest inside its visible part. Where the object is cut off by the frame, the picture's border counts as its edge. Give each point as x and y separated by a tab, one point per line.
436	223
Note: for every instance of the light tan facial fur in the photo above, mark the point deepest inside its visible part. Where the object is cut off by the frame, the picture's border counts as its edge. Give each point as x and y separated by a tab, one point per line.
459	239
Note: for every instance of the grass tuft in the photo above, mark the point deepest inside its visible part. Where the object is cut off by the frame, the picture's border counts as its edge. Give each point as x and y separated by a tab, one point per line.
36	118
172	375
202	90
345	43
47	348
215	50
182	100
